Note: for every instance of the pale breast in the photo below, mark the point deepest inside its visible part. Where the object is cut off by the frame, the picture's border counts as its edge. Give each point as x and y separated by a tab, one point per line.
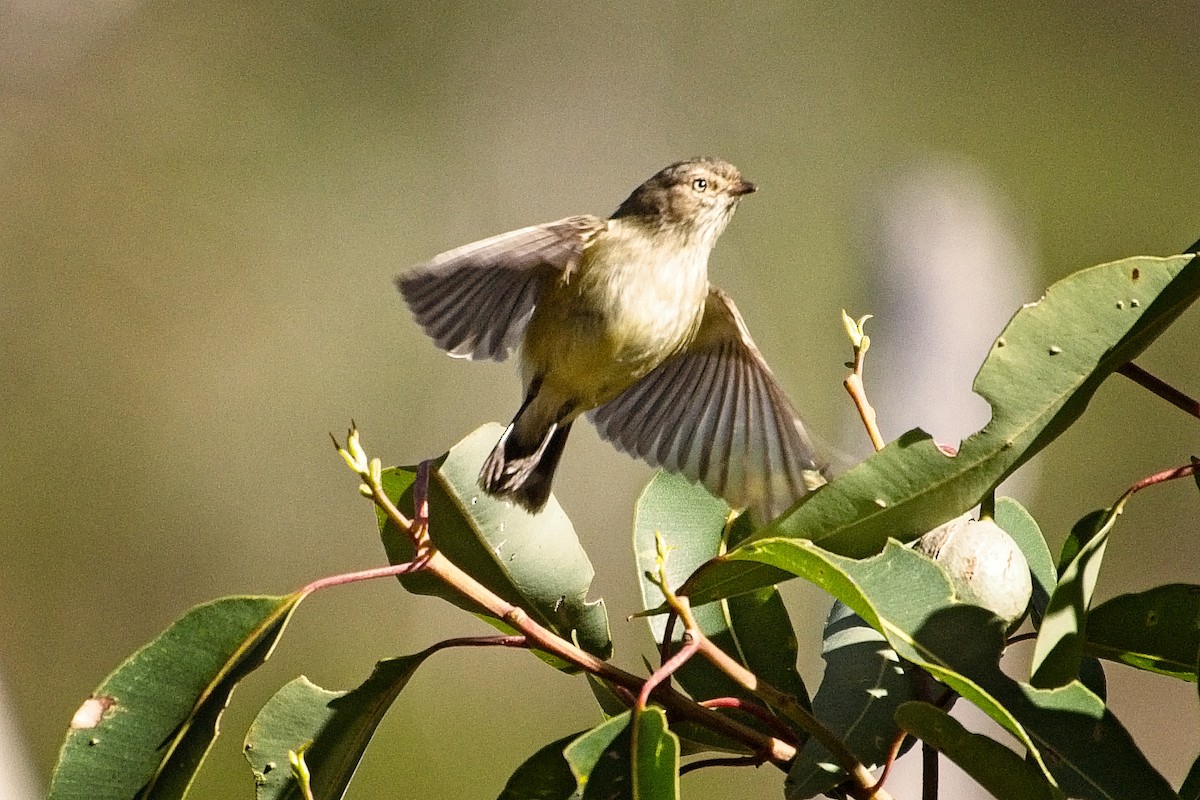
634	301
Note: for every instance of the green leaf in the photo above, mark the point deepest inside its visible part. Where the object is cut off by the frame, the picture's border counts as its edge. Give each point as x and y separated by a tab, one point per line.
1190	790
1023	528
1091	675
534	561
148	727
545	775
655	757
753	628
585	756
1060	639
607	765
1081	533
336	726
993	766
1038	378
910	599
865	681
1156	630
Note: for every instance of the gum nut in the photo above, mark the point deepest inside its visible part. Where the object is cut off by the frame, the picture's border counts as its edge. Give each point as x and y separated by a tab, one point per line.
987	567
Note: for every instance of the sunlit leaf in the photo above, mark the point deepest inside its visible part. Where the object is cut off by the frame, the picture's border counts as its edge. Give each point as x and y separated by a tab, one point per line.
1059	644
865	682
908	598
1039	377
1002	772
585	756
335	727
1156	630
753	628
534	561
654	757
147	728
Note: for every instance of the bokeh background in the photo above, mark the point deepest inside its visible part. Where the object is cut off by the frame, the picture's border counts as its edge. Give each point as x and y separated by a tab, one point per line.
203	205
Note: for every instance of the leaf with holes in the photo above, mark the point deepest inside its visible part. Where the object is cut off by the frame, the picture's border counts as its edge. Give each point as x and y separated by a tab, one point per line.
146	730
1039	377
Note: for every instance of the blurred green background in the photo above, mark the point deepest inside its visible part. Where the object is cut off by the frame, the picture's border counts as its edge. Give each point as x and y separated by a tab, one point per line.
204	204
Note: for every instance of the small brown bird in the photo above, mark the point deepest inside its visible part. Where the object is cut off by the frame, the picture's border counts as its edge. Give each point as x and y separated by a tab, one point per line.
617	318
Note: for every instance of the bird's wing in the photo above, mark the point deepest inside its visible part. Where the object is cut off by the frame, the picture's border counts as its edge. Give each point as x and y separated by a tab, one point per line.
474	301
715	413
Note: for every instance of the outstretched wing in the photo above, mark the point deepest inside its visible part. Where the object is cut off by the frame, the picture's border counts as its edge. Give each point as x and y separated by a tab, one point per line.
715	413
474	301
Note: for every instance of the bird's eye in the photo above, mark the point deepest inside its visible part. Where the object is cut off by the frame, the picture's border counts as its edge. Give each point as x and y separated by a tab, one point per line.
700	184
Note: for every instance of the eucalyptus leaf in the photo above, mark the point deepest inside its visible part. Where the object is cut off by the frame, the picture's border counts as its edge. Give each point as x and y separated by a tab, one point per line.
865	682
1190	790
334	727
545	775
609	765
654	757
146	730
1039	377
586	755
1068	731
1157	630
534	561
753	628
1059	645
1002	772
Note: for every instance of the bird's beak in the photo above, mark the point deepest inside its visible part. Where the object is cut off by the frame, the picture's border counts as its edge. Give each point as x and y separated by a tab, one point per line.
744	187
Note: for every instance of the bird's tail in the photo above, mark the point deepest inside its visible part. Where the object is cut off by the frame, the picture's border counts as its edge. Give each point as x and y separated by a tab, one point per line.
522	464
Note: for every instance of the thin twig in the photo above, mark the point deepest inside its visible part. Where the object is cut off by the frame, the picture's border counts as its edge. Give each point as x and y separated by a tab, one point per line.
893	754
416	565
755	710
854	381
435	563
785	703
1161	388
1160	477
690	646
478	641
731	761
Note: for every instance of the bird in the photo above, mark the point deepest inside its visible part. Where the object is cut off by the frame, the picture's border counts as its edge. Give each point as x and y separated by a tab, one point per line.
616	319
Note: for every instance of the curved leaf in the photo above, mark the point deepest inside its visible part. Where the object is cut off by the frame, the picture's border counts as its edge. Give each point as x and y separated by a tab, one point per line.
1156	630
607	763
148	727
1059	647
545	775
1002	772
1039	377
585	756
1190	790
534	561
865	682
654	757
336	727
754	628
1068	731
